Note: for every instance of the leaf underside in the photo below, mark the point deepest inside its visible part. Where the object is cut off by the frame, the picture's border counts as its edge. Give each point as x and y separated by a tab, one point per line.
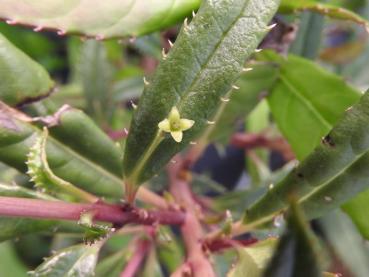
99	19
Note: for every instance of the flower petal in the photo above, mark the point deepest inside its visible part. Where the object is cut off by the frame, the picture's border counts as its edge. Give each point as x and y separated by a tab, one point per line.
177	136
164	125
174	115
186	124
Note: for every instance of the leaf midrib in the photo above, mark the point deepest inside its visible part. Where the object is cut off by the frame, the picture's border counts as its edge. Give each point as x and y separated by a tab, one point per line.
334	177
210	57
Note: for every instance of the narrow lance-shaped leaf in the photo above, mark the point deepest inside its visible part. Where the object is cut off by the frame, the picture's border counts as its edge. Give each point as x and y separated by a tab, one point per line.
202	66
21	79
79	260
333	11
12	227
44	179
335	172
297	253
93	166
100	19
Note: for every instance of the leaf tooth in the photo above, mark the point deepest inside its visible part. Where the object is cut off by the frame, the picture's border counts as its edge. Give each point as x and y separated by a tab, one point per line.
170	43
11	21
61	32
185	24
235	87
247	69
163	54
146	82
193	14
210	122
270	27
134	106
224	99
258	50
38	28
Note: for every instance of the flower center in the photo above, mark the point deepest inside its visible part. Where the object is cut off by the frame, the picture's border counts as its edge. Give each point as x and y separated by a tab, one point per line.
175	125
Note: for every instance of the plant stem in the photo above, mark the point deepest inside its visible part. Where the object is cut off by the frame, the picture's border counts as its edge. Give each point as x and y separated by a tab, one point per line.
134	263
35	208
191	230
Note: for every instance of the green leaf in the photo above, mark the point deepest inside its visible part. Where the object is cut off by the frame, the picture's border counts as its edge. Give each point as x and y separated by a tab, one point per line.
304	110
12	227
297	253
152	267
94	166
44	179
333	11
253	260
252	86
335	172
309	36
21	79
98	19
96	75
79	260
342	235
204	62
356	208
112	265
10	264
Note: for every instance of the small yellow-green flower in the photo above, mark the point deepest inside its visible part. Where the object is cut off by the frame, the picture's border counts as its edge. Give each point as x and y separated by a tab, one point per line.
175	125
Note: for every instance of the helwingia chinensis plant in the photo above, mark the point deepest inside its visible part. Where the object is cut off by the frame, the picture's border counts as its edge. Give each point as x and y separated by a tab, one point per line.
184	138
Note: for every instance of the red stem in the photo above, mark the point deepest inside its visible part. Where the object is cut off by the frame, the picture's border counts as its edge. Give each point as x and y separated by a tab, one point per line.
134	263
35	208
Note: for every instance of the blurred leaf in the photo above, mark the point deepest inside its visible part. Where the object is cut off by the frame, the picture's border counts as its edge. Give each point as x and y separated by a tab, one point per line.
257	122
297	253
96	76
10	264
40	47
113	265
152	266
342	235
252	86
12	227
94	166
357	209
79	260
21	79
307	42
169	251
335	172
149	45
304	110
196	73
252	260
333	11
99	19
238	200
